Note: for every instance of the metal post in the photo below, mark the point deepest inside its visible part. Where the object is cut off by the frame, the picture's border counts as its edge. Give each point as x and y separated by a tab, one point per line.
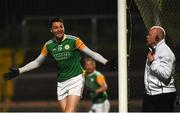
122	56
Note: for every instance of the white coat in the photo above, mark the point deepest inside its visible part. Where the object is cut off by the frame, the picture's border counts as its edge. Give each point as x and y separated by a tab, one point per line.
158	76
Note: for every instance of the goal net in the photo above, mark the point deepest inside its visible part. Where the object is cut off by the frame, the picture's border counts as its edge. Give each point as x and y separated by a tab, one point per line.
164	13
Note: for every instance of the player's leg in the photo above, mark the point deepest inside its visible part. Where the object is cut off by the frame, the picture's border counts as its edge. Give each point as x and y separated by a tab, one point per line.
92	110
101	107
106	106
69	93
72	103
62	104
98	108
62	95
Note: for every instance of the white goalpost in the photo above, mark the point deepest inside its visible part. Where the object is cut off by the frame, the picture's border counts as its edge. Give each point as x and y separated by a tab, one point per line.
122	56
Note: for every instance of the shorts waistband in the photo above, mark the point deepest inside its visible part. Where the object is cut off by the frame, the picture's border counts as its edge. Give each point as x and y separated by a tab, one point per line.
71	79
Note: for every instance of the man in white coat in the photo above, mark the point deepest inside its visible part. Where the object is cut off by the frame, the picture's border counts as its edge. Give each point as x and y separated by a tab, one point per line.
160	91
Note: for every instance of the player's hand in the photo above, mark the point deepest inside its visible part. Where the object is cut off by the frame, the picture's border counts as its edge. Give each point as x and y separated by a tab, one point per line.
112	65
13	72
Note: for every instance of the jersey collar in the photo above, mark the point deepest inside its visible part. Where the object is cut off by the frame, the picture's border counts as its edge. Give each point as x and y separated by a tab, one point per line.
91	74
65	36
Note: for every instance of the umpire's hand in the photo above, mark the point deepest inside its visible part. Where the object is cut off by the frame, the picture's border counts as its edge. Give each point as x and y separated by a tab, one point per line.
13	72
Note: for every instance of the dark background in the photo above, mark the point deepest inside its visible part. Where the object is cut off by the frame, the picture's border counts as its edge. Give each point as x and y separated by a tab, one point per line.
13	11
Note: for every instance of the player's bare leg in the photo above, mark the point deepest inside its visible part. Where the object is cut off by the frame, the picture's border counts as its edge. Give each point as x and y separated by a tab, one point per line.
62	105
71	103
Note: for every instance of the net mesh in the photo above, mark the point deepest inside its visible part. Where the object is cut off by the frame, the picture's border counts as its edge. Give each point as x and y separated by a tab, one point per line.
164	13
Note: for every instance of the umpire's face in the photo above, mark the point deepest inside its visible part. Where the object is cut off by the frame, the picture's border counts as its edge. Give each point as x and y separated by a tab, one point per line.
57	29
151	38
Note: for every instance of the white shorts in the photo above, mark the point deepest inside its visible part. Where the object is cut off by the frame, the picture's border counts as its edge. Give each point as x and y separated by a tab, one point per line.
101	107
73	86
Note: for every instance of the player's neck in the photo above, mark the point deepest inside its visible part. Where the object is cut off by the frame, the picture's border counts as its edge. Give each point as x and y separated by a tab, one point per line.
59	39
91	73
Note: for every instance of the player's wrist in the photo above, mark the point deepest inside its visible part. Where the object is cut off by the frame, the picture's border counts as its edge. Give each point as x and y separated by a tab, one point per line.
13	72
96	92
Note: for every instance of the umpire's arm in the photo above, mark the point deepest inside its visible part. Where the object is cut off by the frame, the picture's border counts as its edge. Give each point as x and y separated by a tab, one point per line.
163	67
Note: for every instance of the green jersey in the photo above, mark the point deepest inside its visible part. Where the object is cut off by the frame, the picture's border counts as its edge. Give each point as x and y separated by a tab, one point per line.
93	81
67	54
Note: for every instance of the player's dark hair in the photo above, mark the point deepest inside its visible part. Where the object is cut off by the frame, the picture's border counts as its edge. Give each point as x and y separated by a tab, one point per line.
54	19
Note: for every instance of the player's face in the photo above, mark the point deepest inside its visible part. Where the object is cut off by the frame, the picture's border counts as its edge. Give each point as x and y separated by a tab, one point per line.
58	29
151	38
89	66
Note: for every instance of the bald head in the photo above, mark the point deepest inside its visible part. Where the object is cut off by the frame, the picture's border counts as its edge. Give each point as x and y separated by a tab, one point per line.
155	35
160	32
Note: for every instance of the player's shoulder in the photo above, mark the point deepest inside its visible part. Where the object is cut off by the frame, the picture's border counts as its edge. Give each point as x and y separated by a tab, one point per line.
97	73
71	37
49	42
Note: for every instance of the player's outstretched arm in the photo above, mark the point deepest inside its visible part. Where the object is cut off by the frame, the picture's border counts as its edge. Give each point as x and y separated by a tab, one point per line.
96	56
14	72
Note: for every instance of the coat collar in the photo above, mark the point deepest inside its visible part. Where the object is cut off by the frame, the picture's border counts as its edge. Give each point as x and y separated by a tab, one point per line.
160	43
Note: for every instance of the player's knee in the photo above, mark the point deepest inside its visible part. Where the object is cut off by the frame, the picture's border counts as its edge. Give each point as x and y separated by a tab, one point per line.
70	109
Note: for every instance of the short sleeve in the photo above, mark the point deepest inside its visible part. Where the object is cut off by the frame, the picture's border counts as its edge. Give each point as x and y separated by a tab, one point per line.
80	44
101	80
44	51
